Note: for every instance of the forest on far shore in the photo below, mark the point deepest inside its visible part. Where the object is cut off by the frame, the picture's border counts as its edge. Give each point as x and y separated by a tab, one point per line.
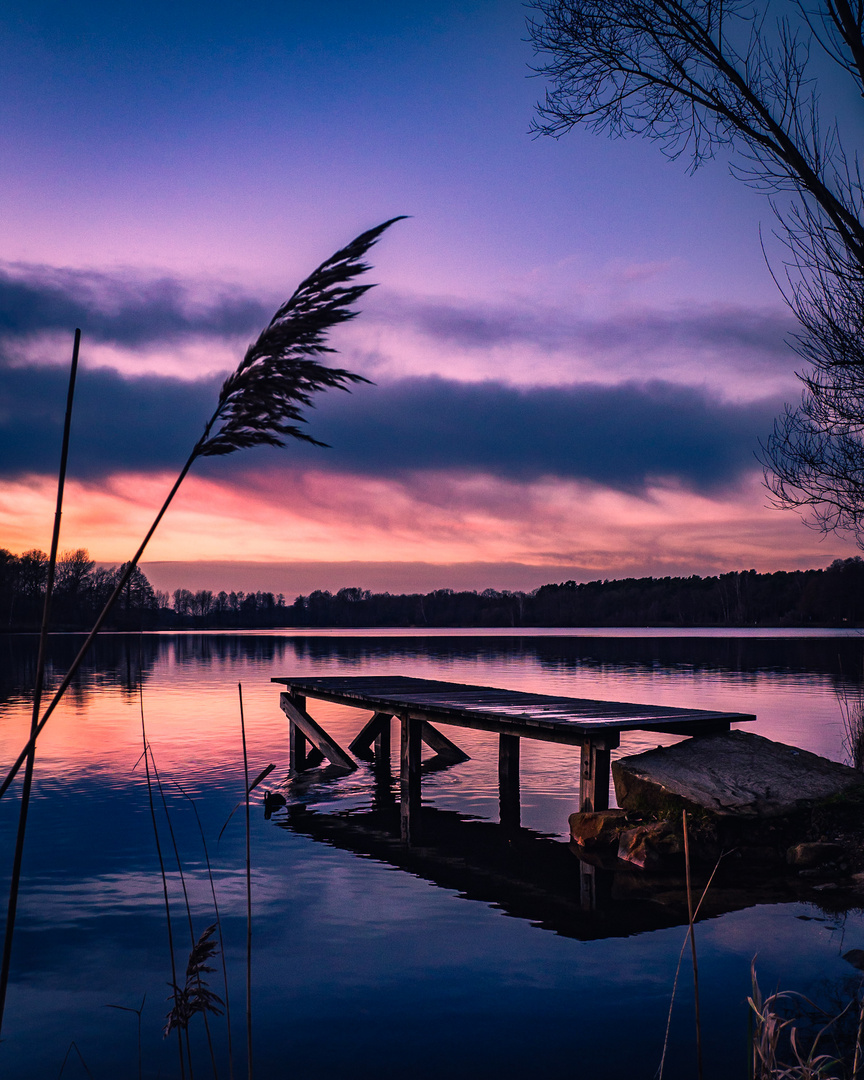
819	598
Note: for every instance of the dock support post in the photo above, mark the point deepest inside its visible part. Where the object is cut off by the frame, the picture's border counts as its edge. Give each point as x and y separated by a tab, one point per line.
409	778
296	738
509	810
382	745
594	775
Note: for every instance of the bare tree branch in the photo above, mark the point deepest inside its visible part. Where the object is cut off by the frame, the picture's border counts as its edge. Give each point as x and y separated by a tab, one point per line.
701	75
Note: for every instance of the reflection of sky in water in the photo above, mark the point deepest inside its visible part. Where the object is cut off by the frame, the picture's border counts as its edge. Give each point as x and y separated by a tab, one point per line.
360	968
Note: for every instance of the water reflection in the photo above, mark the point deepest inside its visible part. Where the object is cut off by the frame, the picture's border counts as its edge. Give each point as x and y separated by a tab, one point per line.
121	660
539	878
349	925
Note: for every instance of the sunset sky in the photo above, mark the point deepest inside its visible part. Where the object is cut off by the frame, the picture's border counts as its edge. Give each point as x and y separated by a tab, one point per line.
576	346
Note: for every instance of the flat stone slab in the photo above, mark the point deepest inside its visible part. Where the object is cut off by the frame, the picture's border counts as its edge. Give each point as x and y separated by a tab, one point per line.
735	774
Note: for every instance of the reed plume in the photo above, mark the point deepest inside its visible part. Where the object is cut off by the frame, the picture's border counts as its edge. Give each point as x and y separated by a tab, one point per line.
195	996
262	402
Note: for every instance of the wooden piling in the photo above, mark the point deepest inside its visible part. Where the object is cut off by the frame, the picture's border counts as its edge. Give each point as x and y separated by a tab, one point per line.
409	778
509	809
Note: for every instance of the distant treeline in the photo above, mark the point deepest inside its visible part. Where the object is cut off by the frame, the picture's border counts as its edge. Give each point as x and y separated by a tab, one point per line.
830	597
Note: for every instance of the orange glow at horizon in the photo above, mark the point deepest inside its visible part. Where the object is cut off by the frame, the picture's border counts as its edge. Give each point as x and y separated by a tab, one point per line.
278	516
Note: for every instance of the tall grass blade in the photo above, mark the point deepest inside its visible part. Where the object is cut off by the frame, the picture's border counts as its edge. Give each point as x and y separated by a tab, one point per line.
262	401
261	776
248	895
768	1030
219	930
164	877
17	860
690	918
249	789
186	904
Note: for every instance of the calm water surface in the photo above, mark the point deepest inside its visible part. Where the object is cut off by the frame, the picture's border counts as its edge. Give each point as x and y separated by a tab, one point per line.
470	958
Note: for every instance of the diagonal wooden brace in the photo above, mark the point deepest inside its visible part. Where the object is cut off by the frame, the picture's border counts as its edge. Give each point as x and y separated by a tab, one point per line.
361	744
326	746
441	744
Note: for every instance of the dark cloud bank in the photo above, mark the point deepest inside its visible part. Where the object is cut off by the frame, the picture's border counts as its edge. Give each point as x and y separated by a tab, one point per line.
120	309
622	436
132	310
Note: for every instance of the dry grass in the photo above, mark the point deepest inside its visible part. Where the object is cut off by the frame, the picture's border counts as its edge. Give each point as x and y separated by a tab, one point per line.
777	1050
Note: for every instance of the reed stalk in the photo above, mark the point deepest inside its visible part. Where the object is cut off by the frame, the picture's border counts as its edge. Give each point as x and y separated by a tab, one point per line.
192	940
186	795
659	1073
859	1037
690	917
17	860
261	403
248	893
164	879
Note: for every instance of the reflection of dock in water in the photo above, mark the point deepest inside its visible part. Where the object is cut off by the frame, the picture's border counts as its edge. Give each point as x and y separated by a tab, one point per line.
531	876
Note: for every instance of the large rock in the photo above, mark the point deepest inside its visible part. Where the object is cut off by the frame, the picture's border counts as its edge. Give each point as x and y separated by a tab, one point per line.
736	774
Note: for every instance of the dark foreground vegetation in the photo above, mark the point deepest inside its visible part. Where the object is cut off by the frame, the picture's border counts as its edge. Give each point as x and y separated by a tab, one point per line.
830	597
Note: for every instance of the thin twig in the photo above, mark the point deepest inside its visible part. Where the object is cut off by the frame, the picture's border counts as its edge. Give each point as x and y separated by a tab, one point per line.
37	691
74	1046
659	1073
138	1011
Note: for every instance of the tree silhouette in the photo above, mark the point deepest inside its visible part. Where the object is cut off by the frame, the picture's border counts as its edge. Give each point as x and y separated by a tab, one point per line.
699	76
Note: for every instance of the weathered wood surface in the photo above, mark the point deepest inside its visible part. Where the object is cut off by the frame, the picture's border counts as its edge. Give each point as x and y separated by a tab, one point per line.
302	722
539	716
737	774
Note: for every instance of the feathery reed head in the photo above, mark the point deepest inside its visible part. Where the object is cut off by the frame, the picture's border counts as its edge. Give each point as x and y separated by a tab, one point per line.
261	403
195	996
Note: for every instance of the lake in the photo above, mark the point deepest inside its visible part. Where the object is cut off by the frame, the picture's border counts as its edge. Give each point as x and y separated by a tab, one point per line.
471	957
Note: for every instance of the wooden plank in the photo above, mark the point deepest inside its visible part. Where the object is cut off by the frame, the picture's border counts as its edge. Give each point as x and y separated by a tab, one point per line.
509	808
316	735
492	709
361	744
441	744
409	778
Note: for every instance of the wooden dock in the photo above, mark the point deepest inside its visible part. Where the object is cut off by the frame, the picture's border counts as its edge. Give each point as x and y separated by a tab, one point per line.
420	704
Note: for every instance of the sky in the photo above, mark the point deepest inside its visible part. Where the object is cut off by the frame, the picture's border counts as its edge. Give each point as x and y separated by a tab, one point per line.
574	345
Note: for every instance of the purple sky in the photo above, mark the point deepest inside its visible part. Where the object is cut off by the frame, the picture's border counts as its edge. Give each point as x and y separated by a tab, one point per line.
576	345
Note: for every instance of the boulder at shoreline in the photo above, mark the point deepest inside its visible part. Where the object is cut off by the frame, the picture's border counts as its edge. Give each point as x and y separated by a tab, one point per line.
771	804
734	774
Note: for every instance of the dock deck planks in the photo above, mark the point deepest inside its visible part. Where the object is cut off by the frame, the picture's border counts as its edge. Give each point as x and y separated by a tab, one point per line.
593	725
